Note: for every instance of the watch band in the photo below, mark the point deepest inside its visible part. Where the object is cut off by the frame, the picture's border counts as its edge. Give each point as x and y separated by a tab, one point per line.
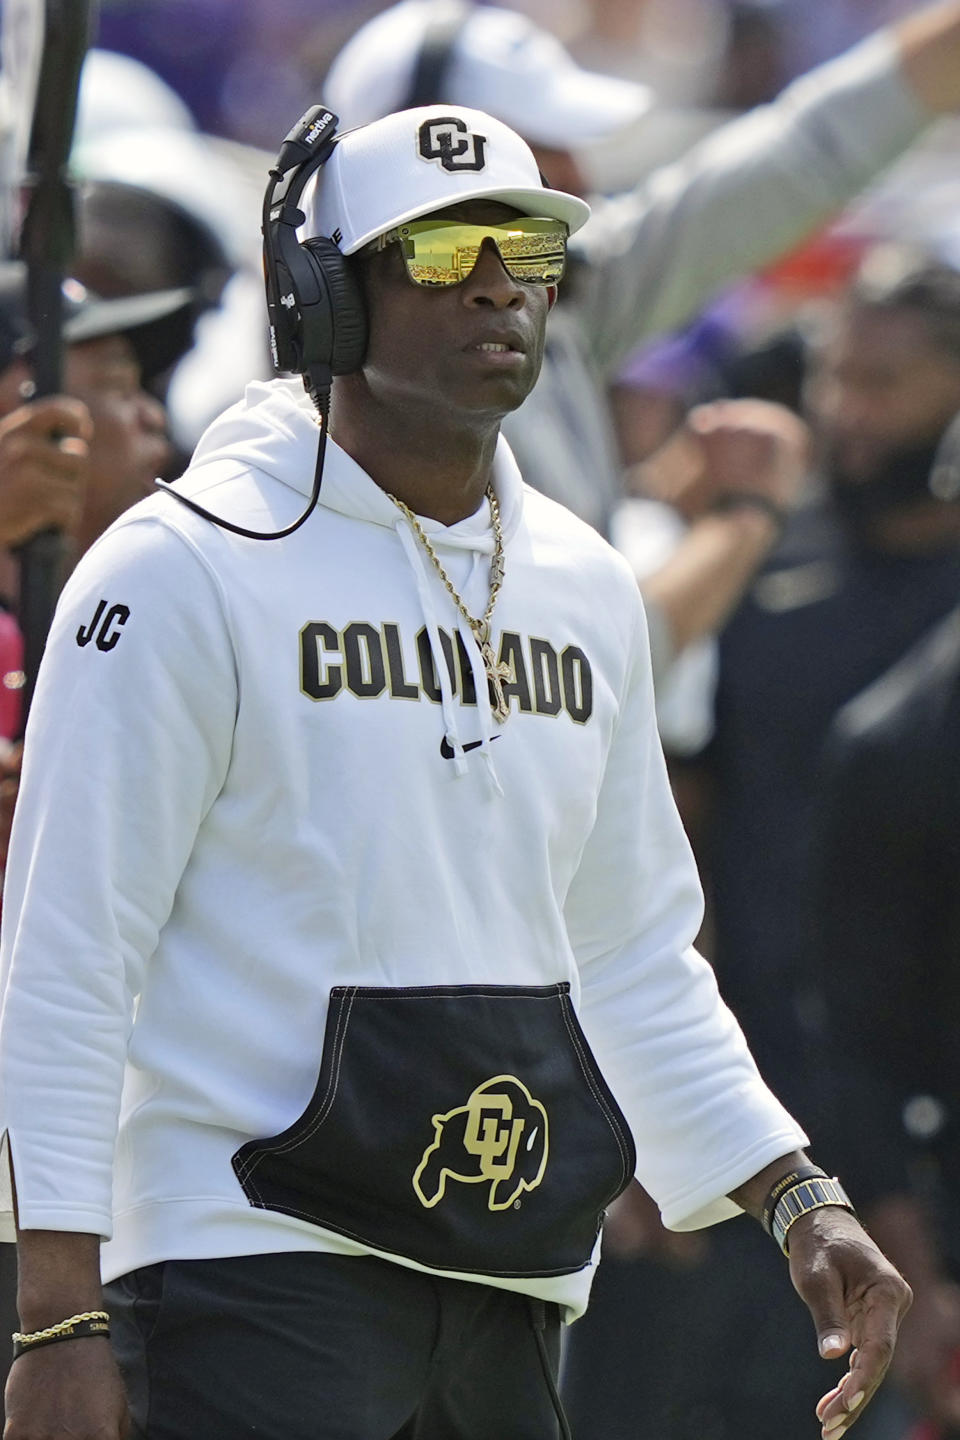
787	1182
803	1196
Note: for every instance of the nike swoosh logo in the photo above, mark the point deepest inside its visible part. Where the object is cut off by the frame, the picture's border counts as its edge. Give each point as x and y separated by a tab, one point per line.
447	750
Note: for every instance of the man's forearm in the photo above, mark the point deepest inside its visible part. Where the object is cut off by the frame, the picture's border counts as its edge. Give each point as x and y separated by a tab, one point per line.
59	1276
704	579
929	43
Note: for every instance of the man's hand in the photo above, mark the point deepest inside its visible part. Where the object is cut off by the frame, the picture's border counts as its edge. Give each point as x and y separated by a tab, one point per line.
729	447
44	448
856	1298
726	450
70	1391
751	447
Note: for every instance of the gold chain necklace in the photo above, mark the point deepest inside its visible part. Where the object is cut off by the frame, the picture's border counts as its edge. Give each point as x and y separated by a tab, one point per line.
496	672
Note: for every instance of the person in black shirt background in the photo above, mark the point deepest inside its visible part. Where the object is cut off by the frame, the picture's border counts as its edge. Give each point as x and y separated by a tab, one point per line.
863	571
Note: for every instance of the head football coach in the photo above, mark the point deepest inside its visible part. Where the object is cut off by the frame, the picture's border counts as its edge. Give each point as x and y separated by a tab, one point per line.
347	946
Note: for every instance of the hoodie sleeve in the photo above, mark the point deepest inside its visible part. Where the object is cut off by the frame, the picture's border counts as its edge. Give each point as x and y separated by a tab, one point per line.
674	1056
744	196
128	743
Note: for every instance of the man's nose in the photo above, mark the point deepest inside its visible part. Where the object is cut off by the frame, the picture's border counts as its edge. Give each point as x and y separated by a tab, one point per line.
489	283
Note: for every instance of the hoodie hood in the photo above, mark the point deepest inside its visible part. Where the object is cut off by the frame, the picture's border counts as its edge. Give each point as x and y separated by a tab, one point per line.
274	432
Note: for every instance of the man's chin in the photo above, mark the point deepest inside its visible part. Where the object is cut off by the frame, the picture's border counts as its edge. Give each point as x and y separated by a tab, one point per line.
895	479
500	393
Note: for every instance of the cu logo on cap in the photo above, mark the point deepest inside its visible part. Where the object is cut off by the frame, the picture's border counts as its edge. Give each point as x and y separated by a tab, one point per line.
449	142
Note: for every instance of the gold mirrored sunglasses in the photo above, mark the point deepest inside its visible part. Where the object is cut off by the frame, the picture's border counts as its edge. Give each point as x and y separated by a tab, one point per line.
443	252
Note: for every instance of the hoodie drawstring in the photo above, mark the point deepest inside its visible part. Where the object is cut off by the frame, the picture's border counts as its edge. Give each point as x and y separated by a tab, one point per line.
484	709
412	551
471	648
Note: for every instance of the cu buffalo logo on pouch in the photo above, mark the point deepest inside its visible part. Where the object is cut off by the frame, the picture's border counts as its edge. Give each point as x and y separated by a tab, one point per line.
499	1137
451	144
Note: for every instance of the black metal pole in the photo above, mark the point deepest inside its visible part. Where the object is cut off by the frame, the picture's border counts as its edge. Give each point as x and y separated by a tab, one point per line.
46	244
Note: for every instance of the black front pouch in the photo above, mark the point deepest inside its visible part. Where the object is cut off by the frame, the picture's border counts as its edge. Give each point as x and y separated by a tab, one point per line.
466	1128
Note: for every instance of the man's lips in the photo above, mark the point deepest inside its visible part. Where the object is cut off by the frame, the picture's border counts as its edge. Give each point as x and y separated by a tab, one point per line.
502	349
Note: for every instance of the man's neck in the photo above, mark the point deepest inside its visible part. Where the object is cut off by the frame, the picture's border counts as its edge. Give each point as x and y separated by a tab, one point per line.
439	470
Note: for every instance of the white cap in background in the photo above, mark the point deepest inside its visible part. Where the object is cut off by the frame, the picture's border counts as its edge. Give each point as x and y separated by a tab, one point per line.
499	62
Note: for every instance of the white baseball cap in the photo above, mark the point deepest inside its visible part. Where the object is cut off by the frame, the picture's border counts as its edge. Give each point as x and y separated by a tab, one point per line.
418	161
499	62
120	93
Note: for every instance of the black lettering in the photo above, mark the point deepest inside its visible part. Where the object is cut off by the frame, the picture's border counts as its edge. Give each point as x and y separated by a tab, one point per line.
362	651
468	688
400	686
86	632
317	681
428	671
577	684
117	615
511	653
546	678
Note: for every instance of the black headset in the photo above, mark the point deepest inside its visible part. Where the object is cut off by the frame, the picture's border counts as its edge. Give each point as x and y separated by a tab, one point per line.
315	307
318	321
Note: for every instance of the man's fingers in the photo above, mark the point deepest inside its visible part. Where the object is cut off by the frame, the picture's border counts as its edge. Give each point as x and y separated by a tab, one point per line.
41	484
876	1316
822	1288
825	1400
54	415
63	453
841	1406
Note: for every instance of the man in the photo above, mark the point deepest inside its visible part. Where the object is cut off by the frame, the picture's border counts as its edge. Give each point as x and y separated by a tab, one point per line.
40	483
863	572
393	779
77	461
865	569
651	258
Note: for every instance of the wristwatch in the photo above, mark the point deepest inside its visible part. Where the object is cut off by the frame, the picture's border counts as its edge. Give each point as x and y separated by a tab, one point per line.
813	1193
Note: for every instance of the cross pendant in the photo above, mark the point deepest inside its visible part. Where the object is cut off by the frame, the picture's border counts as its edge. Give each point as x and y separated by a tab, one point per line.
497	672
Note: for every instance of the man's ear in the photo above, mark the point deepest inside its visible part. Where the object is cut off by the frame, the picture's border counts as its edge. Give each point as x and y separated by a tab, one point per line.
552	293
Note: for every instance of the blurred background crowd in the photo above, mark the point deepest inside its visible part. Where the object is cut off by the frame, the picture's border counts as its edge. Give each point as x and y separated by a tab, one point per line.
752	387
708	55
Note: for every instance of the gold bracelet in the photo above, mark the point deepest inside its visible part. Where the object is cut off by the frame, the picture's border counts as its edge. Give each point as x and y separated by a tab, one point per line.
60	1328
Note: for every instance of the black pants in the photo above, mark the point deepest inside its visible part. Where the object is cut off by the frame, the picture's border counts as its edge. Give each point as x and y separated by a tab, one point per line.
322	1347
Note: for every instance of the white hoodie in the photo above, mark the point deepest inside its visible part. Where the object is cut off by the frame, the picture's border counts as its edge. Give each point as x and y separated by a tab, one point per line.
244	789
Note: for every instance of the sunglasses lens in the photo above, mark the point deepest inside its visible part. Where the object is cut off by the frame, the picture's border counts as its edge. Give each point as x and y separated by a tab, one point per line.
444	252
537	256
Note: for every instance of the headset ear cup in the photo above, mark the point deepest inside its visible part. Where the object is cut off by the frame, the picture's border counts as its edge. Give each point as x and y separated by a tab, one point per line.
348	310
